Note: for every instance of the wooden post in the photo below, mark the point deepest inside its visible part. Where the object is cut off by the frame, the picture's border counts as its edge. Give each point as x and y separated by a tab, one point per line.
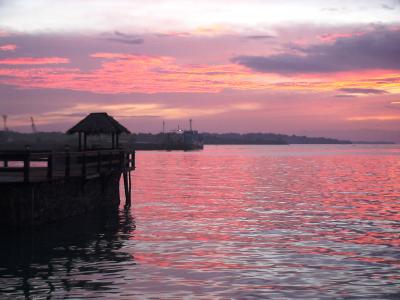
127	191
83	164
117	140
50	166
84	141
26	167
33	198
5	163
122	160
113	140
110	160
67	164
130	186
80	141
98	162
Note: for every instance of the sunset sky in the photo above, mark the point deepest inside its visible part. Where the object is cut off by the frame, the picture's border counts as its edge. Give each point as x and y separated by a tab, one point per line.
320	68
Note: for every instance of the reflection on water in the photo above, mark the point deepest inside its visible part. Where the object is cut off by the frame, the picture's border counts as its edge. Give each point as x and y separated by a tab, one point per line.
229	222
73	258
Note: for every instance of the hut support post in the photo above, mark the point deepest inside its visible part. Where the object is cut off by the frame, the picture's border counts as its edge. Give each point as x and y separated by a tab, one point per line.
50	166
84	165
127	187
80	141
67	164
130	186
84	141
26	167
99	162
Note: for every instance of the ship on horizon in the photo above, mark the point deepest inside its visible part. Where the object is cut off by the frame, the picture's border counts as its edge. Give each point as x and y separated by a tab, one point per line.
183	139
177	139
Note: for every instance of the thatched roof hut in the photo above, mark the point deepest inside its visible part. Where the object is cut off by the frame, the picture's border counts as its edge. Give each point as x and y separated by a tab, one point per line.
98	123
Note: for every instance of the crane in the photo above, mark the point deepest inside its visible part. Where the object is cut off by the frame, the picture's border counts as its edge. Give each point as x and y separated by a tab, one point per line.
34	130
5	122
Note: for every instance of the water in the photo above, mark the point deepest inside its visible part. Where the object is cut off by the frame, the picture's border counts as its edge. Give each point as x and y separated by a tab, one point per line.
229	222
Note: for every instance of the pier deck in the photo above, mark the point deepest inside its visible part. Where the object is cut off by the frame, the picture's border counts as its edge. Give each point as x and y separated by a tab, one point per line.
44	166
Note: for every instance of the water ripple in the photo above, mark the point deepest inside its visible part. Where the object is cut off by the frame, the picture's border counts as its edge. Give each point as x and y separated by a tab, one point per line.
230	222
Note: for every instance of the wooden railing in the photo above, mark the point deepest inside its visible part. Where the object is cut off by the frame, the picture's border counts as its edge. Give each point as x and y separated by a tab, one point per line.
29	166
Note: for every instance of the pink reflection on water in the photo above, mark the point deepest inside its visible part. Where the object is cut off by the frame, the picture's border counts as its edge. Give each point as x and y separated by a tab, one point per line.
269	210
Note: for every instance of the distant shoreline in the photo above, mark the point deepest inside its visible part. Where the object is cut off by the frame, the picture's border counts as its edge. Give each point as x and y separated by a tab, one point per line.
58	140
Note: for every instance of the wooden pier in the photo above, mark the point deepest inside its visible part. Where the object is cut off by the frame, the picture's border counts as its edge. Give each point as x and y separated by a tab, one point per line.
43	186
43	166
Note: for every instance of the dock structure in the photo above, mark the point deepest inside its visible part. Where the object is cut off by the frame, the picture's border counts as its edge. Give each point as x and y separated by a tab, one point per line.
41	186
46	166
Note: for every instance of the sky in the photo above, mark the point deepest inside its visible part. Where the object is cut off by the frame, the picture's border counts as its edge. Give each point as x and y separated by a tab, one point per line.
318	68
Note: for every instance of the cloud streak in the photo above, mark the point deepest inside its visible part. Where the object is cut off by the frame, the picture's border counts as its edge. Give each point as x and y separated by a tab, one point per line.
34	61
362	91
126	38
128	73
381	118
8	47
134	110
260	37
374	50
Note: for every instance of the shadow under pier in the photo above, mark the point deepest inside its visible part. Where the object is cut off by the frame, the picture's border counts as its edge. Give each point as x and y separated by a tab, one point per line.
43	263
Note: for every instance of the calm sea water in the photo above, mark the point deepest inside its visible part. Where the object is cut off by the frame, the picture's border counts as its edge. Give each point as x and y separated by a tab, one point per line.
229	222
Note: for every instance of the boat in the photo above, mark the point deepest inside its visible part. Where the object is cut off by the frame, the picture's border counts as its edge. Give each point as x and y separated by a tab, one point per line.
184	139
173	140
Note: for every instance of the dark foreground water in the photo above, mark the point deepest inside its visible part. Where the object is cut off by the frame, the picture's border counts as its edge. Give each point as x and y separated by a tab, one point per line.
229	222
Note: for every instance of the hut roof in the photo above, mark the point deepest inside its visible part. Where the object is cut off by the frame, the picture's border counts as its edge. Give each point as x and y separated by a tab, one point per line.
98	123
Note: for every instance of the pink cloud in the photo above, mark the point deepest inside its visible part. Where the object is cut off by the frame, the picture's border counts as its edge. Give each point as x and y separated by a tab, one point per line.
331	37
8	47
34	61
130	73
126	73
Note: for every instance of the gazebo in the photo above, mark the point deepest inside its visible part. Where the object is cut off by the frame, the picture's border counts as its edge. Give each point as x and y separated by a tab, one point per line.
98	123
